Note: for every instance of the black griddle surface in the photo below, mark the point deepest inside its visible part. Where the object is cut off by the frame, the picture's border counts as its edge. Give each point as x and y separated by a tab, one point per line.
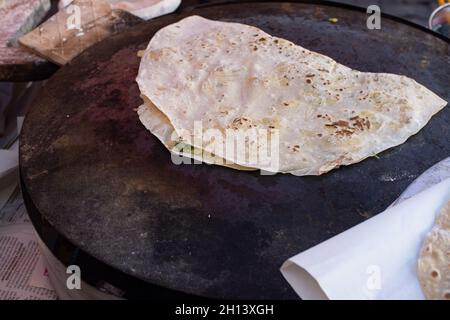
99	178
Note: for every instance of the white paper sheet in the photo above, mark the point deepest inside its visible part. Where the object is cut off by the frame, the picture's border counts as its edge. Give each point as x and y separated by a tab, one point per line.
373	260
144	9
147	9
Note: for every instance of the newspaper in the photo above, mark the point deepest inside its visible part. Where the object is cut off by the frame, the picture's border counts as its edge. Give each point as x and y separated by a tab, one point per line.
23	274
19	257
14	212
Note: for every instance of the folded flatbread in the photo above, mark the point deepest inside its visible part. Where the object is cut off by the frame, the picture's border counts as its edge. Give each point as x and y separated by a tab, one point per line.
157	123
232	77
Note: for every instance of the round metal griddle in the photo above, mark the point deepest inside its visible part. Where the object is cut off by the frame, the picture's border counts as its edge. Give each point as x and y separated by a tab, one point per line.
103	192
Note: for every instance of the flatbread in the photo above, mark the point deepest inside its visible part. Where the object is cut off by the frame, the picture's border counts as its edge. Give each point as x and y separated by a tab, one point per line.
235	77
433	266
158	124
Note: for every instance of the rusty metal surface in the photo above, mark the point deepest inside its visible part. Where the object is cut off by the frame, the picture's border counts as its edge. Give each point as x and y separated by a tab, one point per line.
106	184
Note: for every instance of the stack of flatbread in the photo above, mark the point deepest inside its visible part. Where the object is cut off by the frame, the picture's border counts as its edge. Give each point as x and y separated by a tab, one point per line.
233	95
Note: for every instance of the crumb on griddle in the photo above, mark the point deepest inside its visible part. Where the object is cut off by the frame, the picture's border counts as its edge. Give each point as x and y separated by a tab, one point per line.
333	20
